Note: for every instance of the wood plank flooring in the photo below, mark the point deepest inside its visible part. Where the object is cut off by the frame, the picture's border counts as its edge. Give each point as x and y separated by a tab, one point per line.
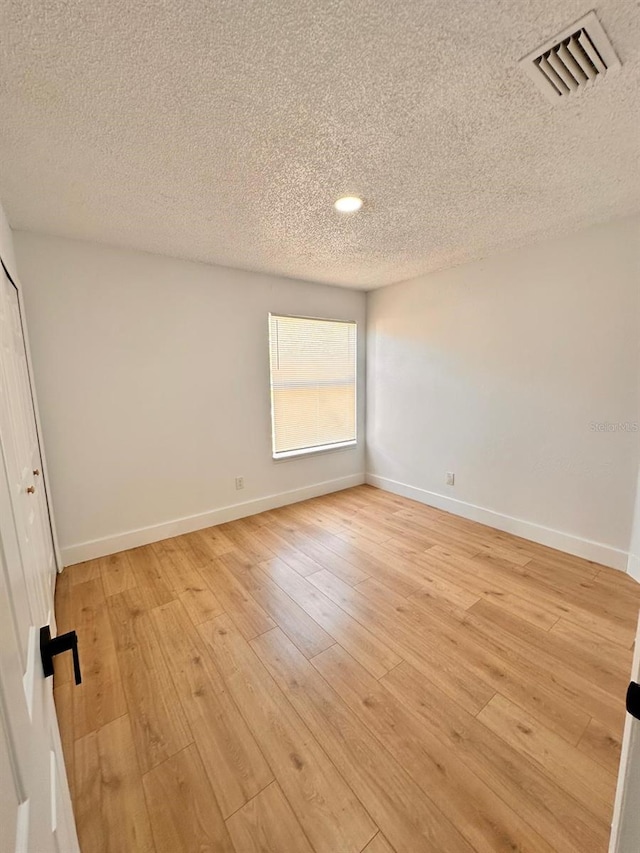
357	672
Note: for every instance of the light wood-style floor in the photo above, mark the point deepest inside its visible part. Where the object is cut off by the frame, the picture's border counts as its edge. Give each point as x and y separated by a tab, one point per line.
354	673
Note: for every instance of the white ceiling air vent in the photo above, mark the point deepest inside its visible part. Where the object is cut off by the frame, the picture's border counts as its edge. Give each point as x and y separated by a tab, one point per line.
572	60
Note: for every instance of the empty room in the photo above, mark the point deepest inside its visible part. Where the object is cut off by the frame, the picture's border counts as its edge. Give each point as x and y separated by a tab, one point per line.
319	427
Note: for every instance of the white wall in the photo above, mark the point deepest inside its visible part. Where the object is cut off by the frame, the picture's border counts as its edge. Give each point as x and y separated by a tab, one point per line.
633	565
6	245
496	371
153	381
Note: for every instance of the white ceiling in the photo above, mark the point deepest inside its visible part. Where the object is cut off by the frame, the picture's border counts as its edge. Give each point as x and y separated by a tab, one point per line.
223	131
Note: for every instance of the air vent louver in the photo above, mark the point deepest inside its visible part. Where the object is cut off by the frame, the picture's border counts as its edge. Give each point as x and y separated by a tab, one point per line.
572	60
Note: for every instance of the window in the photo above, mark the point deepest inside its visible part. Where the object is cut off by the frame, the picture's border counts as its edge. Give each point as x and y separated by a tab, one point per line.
313	384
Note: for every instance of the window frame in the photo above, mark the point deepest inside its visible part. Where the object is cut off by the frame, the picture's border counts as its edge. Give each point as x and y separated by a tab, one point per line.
335	446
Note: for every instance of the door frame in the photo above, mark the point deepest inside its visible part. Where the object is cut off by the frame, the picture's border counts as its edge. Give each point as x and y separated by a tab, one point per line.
43	712
5	255
626	819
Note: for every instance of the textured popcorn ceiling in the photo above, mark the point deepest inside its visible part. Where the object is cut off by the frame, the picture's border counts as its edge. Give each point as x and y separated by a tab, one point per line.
223	131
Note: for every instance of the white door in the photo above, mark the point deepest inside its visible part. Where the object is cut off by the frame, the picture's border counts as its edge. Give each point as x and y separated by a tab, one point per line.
625	831
36	815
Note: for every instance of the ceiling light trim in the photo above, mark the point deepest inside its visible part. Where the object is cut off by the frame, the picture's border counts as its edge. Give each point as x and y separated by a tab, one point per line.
348	204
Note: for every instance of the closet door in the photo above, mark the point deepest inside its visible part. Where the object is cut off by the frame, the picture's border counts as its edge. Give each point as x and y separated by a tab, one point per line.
625	828
35	812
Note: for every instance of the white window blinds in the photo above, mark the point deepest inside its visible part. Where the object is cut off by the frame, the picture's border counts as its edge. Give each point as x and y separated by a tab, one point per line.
313	383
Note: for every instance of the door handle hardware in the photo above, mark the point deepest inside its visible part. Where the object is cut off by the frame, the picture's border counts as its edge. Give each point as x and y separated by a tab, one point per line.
52	646
30	490
633	700
36	472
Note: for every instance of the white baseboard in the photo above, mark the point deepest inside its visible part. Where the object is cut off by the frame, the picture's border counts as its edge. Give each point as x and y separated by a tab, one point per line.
596	551
145	535
586	548
633	567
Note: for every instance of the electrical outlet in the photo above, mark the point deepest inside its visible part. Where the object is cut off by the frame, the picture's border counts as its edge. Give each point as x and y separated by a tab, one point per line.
450	478
239	483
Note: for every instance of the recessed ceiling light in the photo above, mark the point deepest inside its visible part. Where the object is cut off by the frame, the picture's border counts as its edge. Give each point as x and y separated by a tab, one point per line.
348	204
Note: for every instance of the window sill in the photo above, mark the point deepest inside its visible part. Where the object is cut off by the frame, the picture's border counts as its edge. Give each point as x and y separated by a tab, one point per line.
312	451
